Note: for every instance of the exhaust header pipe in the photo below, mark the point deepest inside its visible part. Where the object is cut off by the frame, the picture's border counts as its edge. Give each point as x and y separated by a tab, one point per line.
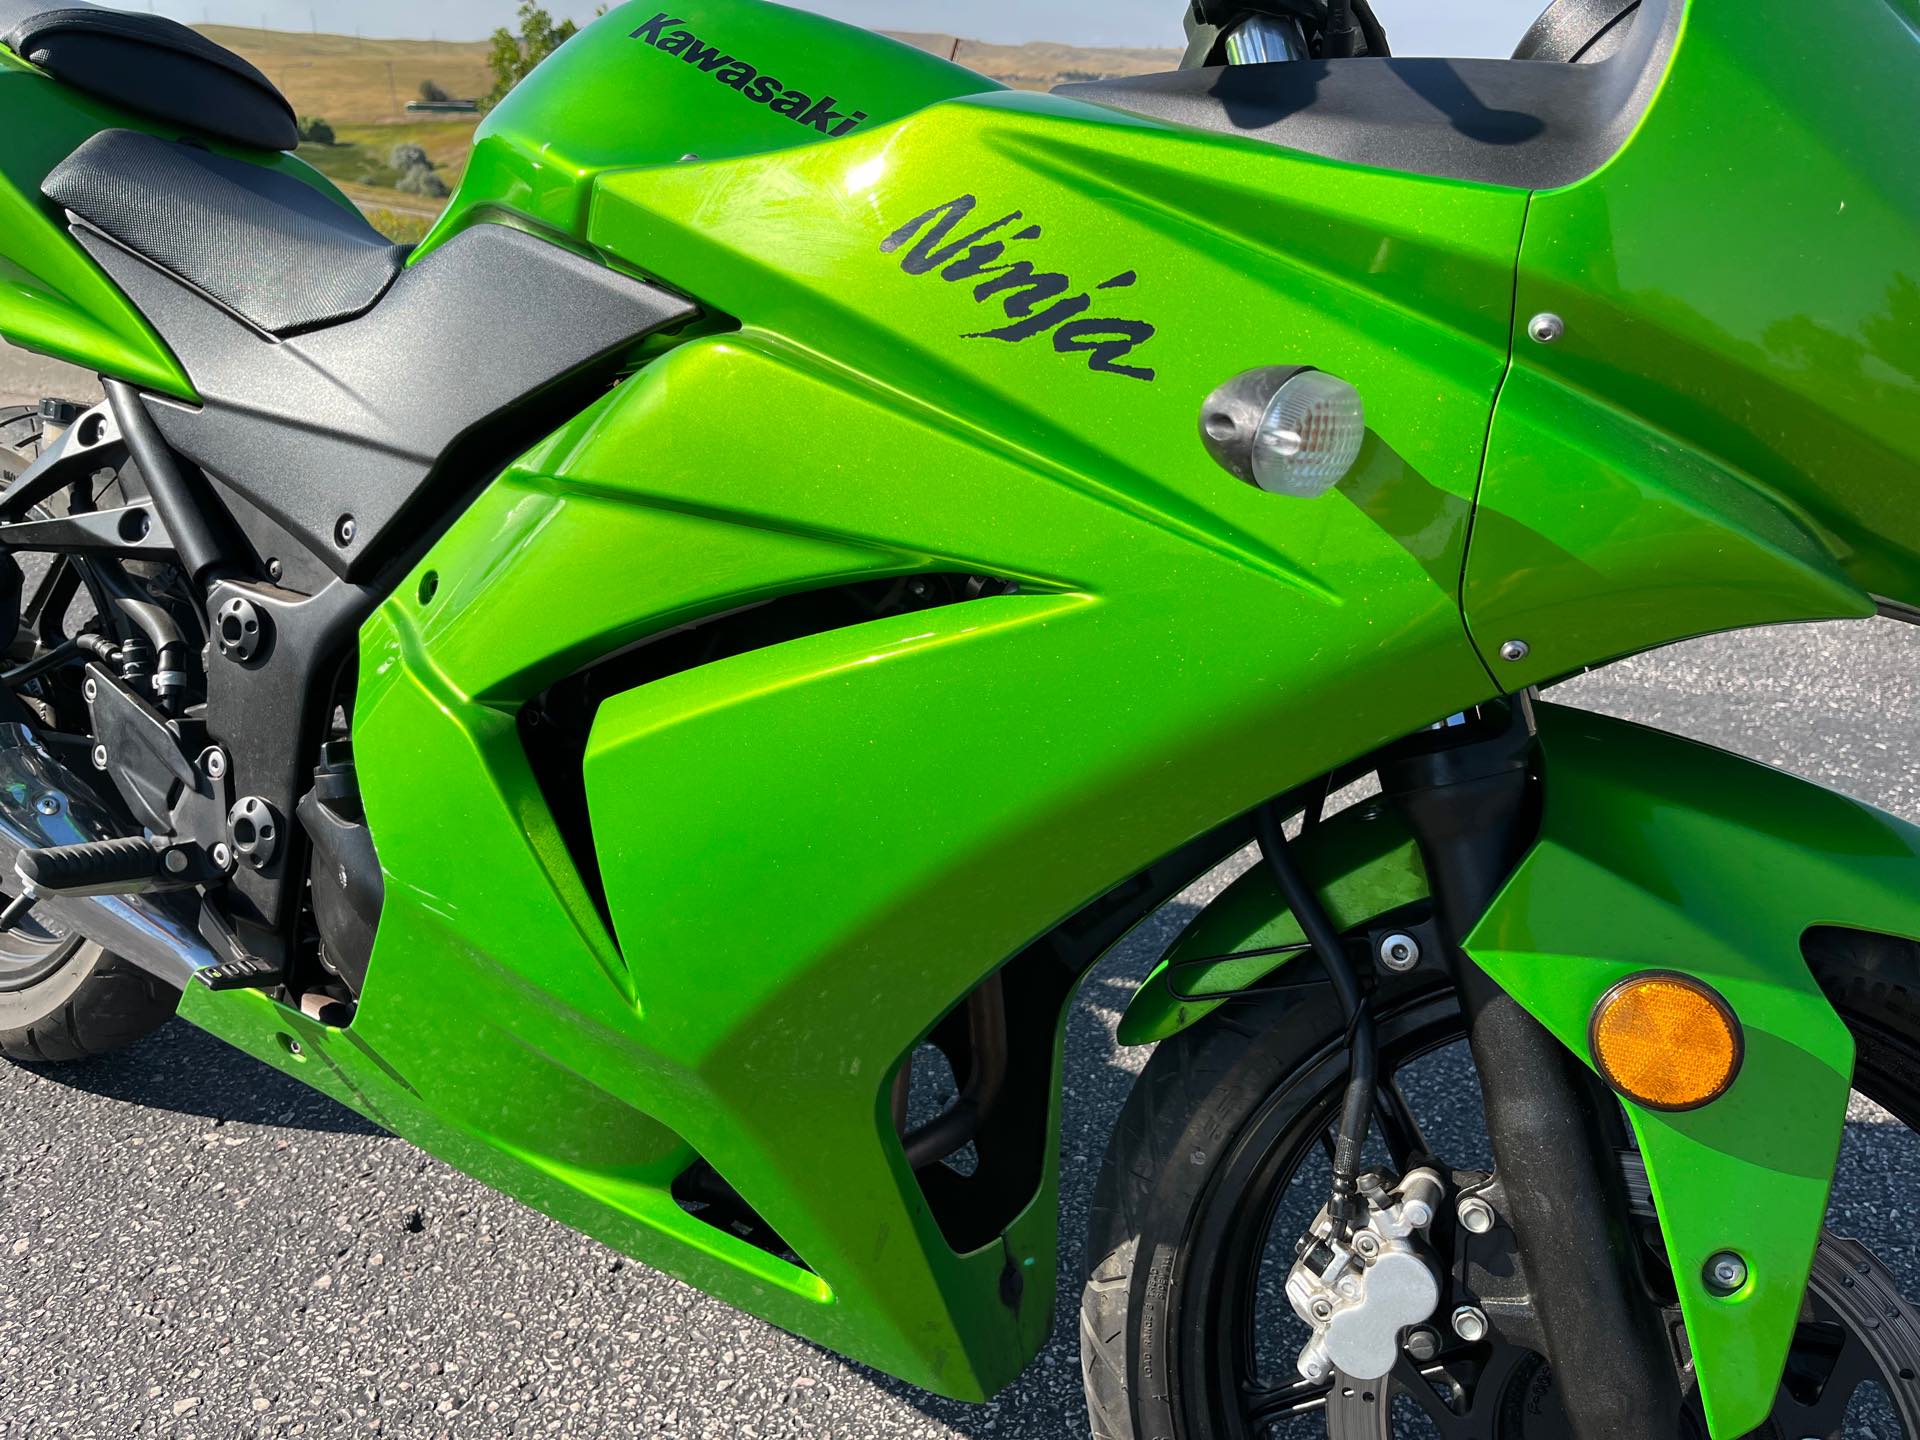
43	804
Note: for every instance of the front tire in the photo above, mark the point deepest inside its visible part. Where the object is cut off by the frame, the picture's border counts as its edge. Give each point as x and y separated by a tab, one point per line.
1215	1109
1209	1161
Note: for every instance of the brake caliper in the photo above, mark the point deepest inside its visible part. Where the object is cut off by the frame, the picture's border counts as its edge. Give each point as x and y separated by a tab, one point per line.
1359	1293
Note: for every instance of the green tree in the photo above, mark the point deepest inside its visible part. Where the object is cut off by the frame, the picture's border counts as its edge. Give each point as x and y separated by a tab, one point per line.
513	56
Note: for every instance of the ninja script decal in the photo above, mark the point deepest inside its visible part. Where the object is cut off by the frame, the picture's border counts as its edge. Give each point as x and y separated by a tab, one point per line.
1036	302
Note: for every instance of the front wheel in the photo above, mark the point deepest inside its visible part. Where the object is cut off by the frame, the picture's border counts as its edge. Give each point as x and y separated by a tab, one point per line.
1220	1163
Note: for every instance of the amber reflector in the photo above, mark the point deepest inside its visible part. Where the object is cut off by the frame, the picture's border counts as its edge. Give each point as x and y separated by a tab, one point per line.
1666	1041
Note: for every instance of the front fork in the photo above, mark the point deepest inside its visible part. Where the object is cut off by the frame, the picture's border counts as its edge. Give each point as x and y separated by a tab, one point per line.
1471	800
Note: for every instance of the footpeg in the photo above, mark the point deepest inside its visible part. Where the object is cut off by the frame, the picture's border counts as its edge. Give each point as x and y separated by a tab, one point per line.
98	867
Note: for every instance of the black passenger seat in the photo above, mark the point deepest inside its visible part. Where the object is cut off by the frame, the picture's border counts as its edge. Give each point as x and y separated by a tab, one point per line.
152	66
269	248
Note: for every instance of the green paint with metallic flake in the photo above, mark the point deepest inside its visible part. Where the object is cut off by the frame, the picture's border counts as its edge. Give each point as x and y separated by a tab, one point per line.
791	834
1728	433
810	853
629	92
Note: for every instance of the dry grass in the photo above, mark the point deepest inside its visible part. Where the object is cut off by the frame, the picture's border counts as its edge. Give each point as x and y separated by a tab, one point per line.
358	82
361	88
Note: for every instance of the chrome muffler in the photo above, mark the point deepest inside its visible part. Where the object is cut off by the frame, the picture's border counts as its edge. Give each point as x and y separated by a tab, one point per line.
44	805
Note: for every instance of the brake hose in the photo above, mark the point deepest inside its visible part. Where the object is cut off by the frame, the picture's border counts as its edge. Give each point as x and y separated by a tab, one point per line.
1356	1112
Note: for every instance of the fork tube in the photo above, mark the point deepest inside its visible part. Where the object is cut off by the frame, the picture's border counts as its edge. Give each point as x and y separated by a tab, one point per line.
1472	809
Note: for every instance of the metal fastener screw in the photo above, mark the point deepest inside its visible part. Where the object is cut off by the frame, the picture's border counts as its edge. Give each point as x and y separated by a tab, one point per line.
344	532
91	690
1546	327
1514	651
48	804
1476	1216
1322	1309
99	757
214	762
1423	1344
1367	1243
222	856
1726	1272
275	570
1470	1324
1400	953
177	862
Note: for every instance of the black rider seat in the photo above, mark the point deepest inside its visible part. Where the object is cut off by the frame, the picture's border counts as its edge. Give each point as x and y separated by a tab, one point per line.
269	248
152	66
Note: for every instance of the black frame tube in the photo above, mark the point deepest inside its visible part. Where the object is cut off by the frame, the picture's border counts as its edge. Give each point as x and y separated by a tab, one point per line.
179	508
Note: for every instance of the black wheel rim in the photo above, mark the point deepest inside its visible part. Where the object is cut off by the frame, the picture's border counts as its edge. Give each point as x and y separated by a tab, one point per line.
1219	1389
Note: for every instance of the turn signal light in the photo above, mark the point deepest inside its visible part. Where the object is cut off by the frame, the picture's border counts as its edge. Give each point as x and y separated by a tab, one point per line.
1666	1041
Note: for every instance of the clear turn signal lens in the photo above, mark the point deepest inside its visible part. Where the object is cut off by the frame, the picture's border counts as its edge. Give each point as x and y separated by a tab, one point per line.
1310	436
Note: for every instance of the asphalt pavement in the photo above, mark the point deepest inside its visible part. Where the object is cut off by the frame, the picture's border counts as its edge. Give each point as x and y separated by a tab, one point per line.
193	1246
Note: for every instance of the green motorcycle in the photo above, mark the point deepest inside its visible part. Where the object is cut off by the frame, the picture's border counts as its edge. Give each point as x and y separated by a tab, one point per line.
814	548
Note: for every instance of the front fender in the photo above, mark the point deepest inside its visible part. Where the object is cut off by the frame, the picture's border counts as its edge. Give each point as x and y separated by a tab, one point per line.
1654	853
1657	853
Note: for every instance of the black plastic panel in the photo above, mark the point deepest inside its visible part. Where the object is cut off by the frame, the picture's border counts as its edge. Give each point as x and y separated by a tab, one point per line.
153	65
340	433
1532	125
274	250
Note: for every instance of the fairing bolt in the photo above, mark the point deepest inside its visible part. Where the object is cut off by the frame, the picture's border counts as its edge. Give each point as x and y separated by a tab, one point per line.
1546	327
222	856
344	532
99	757
48	804
1476	1216
1400	953
1470	1324
91	690
1514	651
1726	1272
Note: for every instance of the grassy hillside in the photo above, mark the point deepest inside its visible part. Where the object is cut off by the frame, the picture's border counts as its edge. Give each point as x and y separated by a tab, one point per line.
361	88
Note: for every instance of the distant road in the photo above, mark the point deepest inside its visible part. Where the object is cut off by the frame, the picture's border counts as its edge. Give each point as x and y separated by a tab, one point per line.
25	378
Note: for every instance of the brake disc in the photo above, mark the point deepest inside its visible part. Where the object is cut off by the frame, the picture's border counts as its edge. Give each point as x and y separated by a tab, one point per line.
1856	1330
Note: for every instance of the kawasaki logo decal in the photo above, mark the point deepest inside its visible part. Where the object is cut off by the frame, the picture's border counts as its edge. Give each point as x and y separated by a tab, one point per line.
1035	301
662	34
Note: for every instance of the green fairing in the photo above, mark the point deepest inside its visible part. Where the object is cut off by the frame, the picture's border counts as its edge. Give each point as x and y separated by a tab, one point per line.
1729	432
629	93
814	851
53	298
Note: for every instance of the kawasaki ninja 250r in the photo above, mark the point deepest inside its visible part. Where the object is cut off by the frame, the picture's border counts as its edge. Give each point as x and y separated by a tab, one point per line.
815	547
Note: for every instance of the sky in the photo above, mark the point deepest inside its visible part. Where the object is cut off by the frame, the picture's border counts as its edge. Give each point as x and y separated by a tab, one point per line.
1417	27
